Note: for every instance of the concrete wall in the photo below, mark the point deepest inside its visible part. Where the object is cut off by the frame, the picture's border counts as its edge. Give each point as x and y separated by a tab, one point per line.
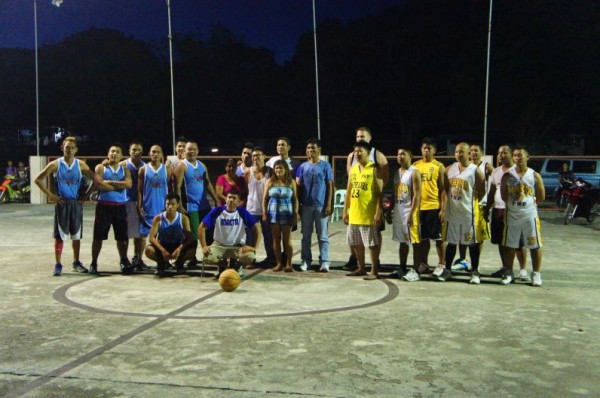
37	164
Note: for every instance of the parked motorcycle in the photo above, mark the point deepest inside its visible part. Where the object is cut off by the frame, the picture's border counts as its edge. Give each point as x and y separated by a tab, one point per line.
14	189
584	201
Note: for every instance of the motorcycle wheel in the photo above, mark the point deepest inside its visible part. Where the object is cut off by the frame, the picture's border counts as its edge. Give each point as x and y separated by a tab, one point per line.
3	197
593	213
569	212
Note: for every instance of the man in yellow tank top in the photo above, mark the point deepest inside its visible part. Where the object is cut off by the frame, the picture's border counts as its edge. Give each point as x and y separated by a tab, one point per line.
362	210
432	203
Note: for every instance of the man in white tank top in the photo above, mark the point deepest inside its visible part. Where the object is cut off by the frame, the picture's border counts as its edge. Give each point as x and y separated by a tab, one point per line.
522	189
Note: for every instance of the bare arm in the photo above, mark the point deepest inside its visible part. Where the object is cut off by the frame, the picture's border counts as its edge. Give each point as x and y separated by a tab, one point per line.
345	216
328	198
383	168
124	183
296	203
99	178
208	184
416	198
504	188
41	178
540	190
265	200
140	191
443	185
179	172
349	162
479	185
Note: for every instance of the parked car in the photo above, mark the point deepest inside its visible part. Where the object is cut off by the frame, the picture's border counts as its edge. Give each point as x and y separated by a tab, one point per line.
587	169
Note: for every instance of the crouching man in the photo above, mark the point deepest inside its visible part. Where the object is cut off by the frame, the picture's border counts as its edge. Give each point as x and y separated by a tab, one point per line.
230	223
170	237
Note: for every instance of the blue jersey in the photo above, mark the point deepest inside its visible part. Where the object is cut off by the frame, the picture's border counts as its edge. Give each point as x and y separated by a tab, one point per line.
117	195
132	192
155	190
170	232
314	178
195	186
68	179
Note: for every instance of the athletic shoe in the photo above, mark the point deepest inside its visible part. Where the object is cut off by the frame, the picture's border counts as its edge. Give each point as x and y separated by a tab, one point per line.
304	266
411	276
240	271
139	264
524	275
423	269
351	264
160	274
439	270
461	265
324	268
78	267
57	269
475	278
507	279
93	268
444	276
499	274
536	279
395	274
126	266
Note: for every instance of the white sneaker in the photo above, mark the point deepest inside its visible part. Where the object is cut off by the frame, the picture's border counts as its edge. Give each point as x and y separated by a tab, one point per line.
324	267
439	270
524	275
411	276
445	275
475	278
461	265
506	279
304	266
536	279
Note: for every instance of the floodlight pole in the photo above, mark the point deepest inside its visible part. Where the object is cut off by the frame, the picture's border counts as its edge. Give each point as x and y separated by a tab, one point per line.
316	70
37	84
487	79
171	68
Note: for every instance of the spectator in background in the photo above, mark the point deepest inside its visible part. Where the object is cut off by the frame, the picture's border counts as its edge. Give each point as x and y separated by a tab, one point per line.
283	148
228	181
10	169
246	160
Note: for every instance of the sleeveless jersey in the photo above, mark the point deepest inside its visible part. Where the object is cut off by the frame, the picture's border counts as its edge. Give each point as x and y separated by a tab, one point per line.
155	189
170	232
133	191
68	179
430	174
256	190
117	195
521	206
362	194
404	192
462	203
230	227
496	179
195	187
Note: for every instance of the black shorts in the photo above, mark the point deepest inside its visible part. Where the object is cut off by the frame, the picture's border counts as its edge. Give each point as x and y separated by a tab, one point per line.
169	246
497	225
431	226
68	220
108	215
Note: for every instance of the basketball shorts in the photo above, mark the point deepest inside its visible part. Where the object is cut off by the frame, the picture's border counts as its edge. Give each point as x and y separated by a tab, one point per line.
133	220
431	226
363	235
68	220
497	225
405	233
483	226
524	234
455	233
108	215
219	252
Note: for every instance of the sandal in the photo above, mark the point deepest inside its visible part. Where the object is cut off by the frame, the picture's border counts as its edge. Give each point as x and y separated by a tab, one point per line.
357	273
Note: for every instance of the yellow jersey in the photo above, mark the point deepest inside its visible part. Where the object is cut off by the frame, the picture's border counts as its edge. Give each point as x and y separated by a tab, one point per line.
430	174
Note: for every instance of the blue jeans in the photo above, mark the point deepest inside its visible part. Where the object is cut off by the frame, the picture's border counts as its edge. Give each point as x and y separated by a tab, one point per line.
267	236
313	215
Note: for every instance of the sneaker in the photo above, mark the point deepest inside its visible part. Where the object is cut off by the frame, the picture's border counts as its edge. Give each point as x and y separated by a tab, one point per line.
93	268
78	267
351	264
507	279
498	274
139	264
193	264
57	269
444	276
160	274
324	267
423	269
536	279
461	265
411	276
304	266
240	271
395	274
475	278
126	266
524	275
439	270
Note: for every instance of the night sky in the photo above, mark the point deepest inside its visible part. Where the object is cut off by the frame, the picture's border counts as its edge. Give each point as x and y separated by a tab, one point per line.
274	24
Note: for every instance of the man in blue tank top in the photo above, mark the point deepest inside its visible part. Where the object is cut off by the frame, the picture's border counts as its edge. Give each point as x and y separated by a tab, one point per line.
111	210
68	215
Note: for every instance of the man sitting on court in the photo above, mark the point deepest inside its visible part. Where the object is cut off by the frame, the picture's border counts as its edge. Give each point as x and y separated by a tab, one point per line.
230	222
170	237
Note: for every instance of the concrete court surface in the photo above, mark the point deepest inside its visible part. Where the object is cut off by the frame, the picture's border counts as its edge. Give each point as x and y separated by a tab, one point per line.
300	334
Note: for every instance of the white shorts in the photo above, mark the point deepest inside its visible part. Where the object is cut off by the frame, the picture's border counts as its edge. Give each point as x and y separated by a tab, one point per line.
455	233
525	234
404	233
133	220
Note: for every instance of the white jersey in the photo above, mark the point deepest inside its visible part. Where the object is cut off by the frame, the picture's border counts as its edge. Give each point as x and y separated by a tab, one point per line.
404	193
496	179
461	199
256	189
521	206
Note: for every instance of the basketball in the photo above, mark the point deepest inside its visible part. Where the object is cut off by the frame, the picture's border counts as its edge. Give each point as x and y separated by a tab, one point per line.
229	280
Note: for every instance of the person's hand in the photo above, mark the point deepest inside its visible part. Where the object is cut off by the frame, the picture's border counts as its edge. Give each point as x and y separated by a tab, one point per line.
206	250
246	249
166	255
485	211
378	217
175	253
141	212
265	217
327	211
295	219
56	199
345	217
442	215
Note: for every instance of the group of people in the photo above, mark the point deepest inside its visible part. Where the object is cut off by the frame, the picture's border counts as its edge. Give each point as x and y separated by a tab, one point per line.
168	204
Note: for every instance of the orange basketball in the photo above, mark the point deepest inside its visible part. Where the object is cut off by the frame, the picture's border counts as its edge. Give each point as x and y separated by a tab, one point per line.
229	280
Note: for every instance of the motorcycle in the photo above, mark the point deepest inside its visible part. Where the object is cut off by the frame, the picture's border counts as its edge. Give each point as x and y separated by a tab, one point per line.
583	201
14	189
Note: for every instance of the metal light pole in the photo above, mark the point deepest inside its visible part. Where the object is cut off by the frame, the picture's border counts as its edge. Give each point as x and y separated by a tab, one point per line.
37	88
171	67
487	79
316	71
